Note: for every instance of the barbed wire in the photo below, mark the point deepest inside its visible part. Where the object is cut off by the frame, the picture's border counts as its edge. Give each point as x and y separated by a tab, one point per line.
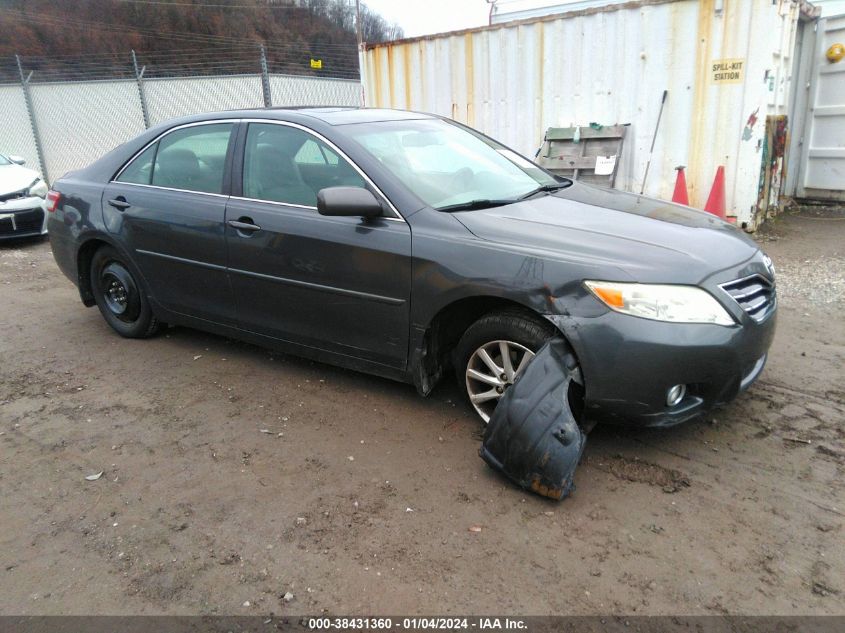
181	63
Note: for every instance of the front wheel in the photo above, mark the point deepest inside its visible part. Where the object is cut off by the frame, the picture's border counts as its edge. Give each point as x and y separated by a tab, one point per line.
119	296
494	351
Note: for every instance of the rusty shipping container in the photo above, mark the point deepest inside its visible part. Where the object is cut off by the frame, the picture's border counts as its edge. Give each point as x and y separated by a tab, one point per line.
727	66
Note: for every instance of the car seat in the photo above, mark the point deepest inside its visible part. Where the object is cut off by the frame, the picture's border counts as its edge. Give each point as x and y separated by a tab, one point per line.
177	168
276	177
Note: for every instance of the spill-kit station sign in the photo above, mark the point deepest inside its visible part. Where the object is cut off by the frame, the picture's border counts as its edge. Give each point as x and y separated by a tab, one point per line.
727	71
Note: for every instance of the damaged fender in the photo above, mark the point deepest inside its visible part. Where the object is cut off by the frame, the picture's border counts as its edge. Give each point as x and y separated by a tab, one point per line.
532	437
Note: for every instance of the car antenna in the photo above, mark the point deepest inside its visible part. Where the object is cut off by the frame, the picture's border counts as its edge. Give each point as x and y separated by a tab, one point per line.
653	139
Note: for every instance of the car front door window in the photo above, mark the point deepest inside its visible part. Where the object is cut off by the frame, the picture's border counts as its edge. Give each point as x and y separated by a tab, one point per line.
288	165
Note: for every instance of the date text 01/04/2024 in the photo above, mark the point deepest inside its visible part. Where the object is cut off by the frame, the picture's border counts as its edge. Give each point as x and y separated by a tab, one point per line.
417	624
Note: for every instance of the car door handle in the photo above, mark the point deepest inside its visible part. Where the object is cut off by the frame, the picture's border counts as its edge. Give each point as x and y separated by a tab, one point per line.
244	224
119	203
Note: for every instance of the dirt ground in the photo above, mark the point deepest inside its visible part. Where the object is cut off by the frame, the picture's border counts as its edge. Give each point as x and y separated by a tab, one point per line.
234	476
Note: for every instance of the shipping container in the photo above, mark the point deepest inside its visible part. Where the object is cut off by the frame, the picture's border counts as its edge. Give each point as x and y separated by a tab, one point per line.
726	66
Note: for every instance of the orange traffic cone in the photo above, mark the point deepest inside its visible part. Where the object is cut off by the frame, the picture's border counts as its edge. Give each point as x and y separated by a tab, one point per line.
716	200
680	194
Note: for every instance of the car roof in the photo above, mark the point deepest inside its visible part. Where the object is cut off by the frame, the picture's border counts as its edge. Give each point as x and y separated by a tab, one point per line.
330	115
347	115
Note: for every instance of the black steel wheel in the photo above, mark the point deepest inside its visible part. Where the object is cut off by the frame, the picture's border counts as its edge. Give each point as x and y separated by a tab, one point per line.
120	297
119	292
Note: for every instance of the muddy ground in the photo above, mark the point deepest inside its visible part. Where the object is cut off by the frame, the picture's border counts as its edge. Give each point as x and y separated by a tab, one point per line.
233	476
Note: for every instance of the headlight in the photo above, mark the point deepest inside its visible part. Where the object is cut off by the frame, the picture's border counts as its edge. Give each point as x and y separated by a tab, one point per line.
37	188
677	304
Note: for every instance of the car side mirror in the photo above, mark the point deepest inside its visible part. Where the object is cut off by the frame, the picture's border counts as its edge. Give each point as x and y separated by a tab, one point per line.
348	201
17	160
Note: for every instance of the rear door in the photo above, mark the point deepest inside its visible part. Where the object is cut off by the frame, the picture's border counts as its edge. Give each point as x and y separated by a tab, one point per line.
168	205
340	284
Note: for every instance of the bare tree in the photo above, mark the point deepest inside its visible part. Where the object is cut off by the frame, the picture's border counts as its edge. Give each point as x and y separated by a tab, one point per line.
341	13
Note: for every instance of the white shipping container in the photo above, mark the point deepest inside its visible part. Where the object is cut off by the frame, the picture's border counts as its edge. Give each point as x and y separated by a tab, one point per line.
725	63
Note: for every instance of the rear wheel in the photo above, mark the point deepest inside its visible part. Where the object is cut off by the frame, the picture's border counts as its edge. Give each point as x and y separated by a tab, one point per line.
494	351
119	296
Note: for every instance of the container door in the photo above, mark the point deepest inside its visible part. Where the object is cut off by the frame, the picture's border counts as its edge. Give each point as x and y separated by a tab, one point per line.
823	152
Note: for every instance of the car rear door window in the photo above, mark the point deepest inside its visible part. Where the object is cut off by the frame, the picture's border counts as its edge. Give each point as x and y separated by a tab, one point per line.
289	165
140	170
192	158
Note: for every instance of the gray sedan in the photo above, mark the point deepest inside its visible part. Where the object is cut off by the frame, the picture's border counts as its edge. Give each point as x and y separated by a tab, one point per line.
407	245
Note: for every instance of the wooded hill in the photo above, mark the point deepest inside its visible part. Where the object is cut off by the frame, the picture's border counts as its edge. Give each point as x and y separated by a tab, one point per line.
90	38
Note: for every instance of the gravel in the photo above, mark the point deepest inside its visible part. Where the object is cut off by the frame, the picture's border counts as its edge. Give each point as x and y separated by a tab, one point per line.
819	281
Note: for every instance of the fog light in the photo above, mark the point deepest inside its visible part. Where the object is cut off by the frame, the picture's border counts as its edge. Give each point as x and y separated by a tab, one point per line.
675	395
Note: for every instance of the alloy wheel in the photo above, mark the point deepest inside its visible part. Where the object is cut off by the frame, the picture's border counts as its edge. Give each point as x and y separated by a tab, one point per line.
492	368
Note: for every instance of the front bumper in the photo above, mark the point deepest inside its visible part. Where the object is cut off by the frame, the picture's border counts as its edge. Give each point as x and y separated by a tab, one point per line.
24	217
629	363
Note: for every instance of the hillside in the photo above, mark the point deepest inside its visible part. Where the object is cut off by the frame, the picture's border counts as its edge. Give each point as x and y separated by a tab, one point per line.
92	38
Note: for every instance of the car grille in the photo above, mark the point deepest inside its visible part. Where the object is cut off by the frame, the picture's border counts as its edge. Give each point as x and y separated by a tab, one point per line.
25	222
756	295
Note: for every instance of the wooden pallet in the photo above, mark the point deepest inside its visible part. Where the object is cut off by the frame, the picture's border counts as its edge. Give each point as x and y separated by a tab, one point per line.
597	149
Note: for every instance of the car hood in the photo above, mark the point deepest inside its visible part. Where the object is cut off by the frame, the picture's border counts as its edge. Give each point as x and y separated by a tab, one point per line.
14	178
647	240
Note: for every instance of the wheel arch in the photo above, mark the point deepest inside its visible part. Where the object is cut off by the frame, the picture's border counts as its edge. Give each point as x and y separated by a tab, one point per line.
84	257
432	353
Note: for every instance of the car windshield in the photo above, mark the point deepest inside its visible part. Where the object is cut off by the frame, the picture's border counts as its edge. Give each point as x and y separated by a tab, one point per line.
4	160
450	167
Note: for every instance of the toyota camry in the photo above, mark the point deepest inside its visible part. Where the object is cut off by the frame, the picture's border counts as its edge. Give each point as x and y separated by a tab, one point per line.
407	245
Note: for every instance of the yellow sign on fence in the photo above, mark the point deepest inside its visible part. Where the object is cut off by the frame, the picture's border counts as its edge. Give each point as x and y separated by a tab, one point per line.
317	63
727	71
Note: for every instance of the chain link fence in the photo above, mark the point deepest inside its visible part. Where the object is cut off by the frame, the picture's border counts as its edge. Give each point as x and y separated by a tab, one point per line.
60	114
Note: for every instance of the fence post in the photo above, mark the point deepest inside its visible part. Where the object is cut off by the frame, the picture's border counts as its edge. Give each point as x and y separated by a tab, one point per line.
139	79
33	124
265	80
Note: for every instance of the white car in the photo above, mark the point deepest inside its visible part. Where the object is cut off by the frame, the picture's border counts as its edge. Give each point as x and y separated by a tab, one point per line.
22	193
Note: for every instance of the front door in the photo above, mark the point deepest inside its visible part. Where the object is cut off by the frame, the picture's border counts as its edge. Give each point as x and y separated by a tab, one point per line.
339	284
